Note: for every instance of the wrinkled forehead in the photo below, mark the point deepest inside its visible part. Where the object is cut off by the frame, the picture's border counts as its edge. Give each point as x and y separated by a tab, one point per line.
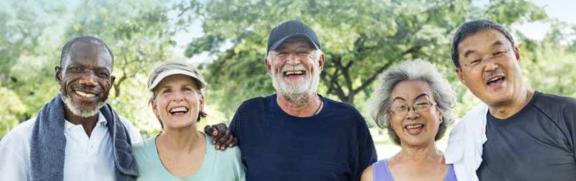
90	54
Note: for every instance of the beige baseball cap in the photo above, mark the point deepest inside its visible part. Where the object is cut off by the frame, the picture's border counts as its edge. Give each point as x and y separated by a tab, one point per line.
174	68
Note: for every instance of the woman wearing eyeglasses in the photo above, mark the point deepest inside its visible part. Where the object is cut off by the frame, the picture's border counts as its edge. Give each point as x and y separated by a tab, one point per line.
413	102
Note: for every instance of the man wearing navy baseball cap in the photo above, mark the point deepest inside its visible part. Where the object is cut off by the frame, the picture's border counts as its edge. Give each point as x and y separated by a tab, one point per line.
297	134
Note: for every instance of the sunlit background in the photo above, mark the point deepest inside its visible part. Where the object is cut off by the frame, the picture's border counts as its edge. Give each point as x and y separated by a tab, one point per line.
227	40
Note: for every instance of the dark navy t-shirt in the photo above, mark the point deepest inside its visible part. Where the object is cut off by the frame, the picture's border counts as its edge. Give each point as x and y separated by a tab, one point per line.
332	145
536	143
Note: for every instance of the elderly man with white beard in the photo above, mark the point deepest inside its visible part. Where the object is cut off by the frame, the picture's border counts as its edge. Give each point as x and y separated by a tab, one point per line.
297	134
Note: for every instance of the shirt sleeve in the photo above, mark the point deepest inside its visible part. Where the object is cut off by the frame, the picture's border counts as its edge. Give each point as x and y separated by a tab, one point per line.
367	150
14	153
570	119
134	132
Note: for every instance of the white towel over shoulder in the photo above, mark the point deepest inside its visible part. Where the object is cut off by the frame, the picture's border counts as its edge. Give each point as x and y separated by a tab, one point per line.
464	148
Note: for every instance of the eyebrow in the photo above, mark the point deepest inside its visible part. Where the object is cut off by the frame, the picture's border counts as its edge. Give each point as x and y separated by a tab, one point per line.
468	52
417	97
103	68
421	95
398	98
495	44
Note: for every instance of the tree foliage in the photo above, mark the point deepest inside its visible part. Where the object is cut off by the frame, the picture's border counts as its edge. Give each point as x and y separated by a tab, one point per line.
138	32
360	39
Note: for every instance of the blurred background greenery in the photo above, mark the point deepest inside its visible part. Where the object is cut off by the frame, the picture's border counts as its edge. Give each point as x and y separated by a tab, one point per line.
227	40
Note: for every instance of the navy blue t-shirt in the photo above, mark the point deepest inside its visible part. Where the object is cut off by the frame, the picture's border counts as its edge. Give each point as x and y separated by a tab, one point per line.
332	145
537	143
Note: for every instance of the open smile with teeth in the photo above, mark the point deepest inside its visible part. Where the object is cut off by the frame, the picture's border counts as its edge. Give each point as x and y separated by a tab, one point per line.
495	79
178	110
294	72
85	94
415	128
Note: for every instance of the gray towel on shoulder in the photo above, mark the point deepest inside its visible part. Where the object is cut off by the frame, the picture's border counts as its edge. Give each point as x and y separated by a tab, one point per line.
48	144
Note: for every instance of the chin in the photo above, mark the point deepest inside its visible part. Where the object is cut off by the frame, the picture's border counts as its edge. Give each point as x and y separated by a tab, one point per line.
498	99
82	111
179	124
415	143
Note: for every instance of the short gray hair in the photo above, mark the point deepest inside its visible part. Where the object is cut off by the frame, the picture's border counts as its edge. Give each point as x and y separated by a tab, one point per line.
406	71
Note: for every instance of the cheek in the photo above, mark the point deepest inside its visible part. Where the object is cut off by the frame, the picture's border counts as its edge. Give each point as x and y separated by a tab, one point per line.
396	125
435	119
473	81
198	103
278	68
66	83
106	84
159	106
65	86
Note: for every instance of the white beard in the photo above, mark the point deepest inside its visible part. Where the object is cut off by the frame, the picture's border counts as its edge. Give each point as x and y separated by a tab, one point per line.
295	91
79	112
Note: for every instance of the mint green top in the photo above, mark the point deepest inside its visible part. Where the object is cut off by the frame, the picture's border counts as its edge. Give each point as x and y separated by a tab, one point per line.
216	166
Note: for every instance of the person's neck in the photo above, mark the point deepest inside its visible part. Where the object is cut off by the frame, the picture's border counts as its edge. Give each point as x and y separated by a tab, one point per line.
417	154
308	105
505	111
185	139
87	123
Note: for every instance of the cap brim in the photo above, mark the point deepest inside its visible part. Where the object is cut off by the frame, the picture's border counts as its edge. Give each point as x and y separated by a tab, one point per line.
298	35
165	74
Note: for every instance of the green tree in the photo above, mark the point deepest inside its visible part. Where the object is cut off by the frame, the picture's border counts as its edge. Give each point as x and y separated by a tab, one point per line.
25	54
138	32
360	39
548	65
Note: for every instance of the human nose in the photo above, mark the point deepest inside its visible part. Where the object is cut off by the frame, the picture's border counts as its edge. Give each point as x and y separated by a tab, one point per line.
411	112
489	64
88	78
177	96
487	59
293	59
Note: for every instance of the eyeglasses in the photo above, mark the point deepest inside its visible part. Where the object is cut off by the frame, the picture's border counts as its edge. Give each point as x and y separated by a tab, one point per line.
100	72
299	54
402	109
477	62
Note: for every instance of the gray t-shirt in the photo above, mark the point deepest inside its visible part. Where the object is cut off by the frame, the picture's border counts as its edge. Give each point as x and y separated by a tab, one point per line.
537	143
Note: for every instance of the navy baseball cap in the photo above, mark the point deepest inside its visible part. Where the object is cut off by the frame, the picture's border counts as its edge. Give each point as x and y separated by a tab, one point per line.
291	29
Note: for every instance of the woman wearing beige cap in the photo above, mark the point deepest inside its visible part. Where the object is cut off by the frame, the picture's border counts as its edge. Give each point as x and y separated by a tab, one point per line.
180	151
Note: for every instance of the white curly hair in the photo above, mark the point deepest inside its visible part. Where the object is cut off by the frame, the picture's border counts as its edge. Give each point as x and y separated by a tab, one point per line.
411	70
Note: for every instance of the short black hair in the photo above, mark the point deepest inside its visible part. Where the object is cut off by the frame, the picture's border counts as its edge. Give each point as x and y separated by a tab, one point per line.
472	27
67	47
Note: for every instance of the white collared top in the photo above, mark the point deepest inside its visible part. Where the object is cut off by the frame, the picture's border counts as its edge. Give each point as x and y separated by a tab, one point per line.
87	158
